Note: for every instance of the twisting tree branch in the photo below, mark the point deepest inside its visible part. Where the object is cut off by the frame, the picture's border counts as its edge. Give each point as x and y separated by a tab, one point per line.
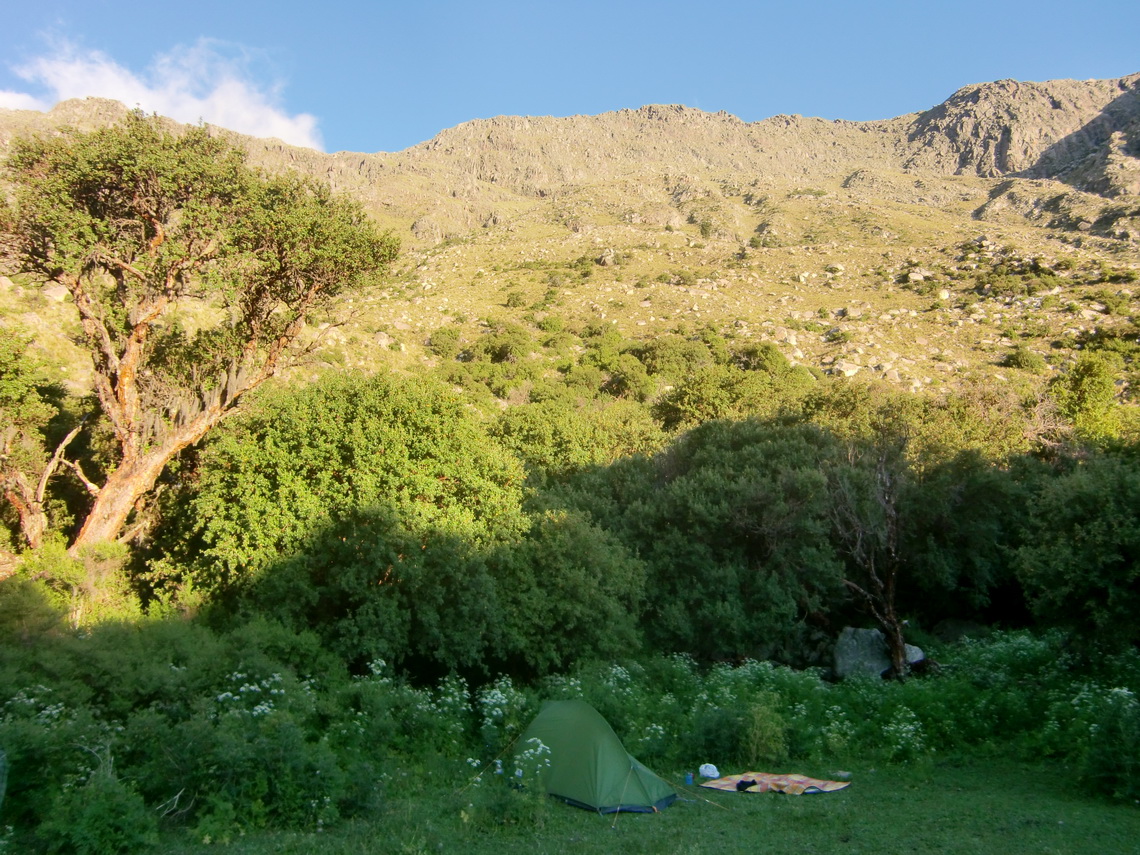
57	458
92	488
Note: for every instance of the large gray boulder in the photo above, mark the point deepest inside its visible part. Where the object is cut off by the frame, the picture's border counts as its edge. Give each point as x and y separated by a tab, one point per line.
864	651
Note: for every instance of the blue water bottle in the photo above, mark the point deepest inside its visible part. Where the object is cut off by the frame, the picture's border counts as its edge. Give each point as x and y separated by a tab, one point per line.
688	779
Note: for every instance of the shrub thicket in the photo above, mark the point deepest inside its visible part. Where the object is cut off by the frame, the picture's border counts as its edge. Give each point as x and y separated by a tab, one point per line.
268	481
732	524
1080	561
124	729
1025	359
379	528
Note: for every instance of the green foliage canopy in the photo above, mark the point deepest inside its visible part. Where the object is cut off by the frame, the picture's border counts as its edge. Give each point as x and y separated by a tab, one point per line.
192	273
570	590
732	523
558	437
27	406
301	459
1086	395
1080	562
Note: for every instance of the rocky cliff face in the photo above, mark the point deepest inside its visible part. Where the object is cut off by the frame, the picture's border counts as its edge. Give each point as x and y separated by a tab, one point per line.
1086	133
539	154
852	246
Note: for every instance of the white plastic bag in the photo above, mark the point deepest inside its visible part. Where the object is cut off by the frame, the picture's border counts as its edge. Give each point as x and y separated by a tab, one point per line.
708	770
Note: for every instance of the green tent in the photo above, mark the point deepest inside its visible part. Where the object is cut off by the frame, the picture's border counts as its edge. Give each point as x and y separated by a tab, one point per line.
589	767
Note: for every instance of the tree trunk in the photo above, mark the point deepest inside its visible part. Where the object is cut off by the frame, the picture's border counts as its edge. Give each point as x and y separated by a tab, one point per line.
896	646
882	608
29	501
873	545
115	501
33	519
134	478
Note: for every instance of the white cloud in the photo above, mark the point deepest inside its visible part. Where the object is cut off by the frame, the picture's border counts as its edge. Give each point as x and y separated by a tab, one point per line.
19	101
209	81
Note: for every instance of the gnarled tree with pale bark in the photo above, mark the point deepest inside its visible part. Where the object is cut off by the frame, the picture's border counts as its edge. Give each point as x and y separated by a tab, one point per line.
193	275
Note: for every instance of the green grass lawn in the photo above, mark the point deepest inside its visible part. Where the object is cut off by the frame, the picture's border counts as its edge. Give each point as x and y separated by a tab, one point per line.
971	806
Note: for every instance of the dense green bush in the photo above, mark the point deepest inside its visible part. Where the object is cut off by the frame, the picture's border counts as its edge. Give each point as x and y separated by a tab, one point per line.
121	724
568	591
482	380
629	379
673	357
745	539
728	392
301	459
1086	395
1112	761
1025	359
1014	693
961	517
761	357
937	428
503	342
558	437
1080	562
444	342
258	728
732	524
563	591
101	816
376	527
90	586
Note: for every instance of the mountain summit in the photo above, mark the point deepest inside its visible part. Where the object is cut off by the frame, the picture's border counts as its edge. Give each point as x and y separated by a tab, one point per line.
917	248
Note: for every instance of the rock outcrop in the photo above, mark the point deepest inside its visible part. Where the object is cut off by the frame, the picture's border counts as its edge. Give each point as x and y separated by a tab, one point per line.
660	158
1086	133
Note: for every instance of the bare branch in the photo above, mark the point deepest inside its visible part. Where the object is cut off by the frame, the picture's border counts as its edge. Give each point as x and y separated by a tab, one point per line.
92	488
56	459
93	324
159	234
121	265
146	314
134	531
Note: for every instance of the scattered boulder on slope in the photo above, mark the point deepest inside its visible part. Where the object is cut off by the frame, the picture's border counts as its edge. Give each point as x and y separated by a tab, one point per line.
864	651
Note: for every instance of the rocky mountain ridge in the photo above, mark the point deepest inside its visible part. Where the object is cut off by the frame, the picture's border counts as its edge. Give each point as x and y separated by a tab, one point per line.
1082	132
842	242
1085	133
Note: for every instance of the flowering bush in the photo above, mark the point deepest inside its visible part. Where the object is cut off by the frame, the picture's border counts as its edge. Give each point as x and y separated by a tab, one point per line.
532	761
1112	761
561	687
504	712
838	731
497	795
103	816
903	736
380	713
52	740
220	733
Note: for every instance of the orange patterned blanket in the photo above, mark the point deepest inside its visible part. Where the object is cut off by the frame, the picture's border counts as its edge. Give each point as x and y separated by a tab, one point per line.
763	782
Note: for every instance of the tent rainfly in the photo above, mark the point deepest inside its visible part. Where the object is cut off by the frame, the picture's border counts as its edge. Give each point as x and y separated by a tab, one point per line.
589	767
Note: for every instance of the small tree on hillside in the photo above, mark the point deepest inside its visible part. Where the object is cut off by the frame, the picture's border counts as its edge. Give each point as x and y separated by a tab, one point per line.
866	512
192	273
1086	395
27	406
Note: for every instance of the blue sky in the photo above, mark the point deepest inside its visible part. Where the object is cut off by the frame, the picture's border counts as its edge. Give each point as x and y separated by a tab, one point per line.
382	76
